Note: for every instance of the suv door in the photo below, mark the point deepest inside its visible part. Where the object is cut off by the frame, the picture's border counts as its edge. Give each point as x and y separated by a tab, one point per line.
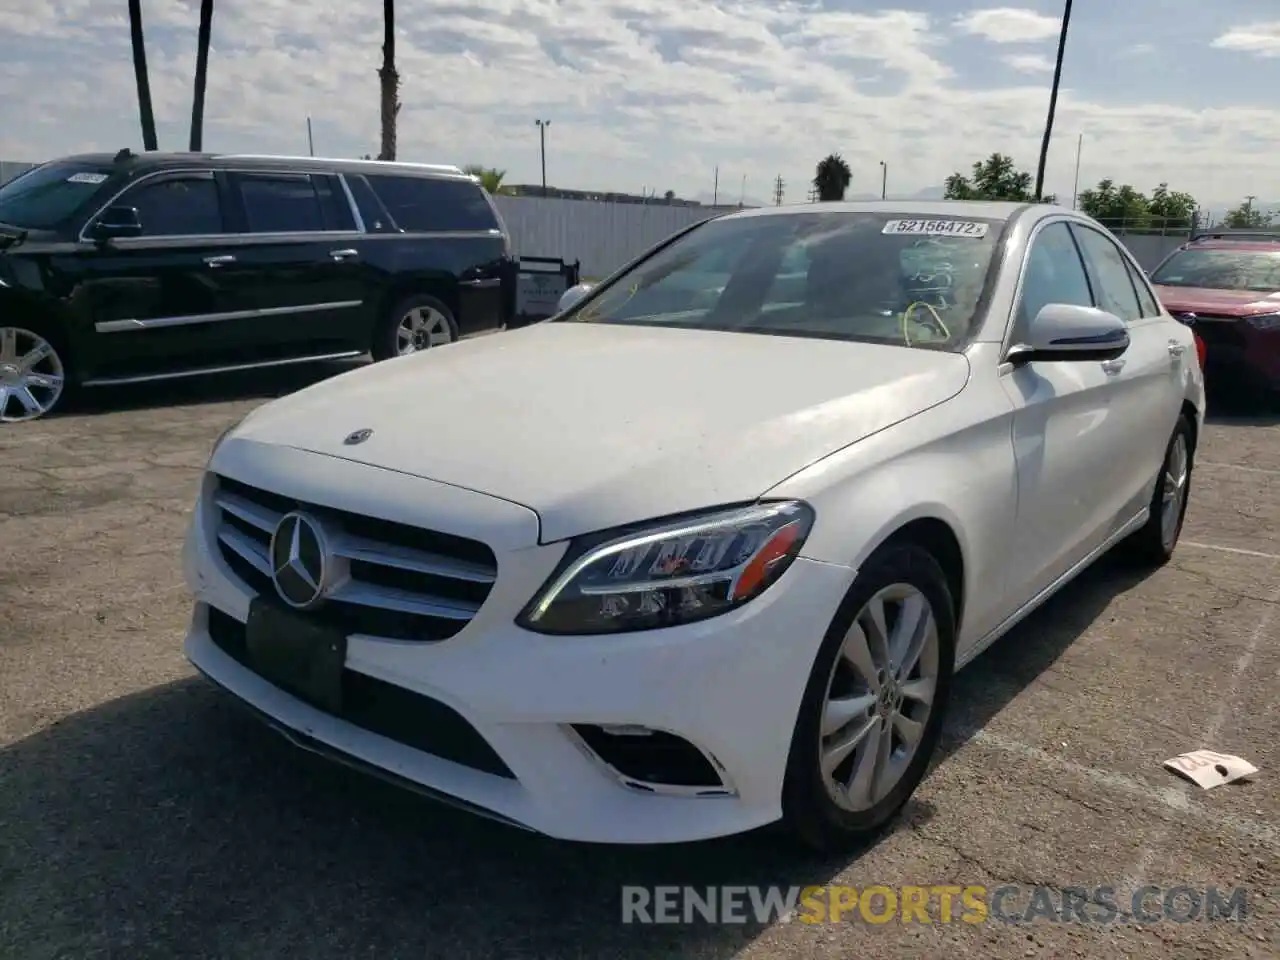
1068	445
448	239
157	303
300	267
1147	379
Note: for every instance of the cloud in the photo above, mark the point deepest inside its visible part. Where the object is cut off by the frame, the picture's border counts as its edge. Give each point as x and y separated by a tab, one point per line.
1261	39
1029	63
1140	49
655	93
1009	25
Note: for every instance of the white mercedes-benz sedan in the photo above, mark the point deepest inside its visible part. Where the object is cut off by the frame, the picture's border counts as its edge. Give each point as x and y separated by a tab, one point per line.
703	551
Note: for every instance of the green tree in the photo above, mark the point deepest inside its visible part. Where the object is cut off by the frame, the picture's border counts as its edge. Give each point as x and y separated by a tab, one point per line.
1247	217
669	196
832	178
995	178
145	111
489	177
389	82
1116	206
1172	209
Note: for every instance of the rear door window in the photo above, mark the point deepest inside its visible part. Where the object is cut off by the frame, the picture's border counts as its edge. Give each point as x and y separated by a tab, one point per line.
280	203
430	204
1113	287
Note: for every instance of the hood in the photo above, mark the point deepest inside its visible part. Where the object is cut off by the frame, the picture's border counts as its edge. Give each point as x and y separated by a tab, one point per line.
1223	303
596	425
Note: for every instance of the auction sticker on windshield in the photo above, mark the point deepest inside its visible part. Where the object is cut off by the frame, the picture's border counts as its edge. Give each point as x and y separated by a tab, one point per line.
938	228
87	178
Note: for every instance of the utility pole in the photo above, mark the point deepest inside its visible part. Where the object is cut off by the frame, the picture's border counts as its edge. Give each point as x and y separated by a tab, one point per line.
742	197
884	180
311	143
542	140
1075	191
1053	100
715	189
778	186
1248	202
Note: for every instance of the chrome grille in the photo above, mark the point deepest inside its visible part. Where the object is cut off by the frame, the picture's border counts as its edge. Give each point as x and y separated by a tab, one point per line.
406	583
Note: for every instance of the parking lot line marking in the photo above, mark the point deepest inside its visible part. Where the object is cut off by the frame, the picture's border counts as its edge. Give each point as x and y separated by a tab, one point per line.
1225	549
1175	798
1138	873
1236	466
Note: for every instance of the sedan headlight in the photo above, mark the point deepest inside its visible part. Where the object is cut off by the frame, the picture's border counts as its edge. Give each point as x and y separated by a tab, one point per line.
1265	321
679	572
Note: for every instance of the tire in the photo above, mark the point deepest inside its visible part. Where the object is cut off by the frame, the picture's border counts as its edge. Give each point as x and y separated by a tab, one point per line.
32	389
810	808
441	327
1152	546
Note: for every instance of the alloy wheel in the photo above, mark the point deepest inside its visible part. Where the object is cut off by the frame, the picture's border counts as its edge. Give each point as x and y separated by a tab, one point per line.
1174	489
880	697
422	328
32	376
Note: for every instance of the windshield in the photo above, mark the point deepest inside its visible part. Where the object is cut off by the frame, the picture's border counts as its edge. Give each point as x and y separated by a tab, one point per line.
873	277
46	196
1256	270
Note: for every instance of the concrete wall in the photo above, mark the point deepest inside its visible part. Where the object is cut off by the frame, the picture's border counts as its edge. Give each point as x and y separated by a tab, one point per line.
604	236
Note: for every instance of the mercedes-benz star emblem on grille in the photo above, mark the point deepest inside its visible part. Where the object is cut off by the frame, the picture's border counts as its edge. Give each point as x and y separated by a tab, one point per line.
299	561
357	436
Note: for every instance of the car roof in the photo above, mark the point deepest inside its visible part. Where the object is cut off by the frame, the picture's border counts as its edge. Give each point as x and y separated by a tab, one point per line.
1259	244
152	161
980	209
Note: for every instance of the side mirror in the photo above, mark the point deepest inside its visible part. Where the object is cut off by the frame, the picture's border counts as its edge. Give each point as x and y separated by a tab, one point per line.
571	296
117	223
1064	331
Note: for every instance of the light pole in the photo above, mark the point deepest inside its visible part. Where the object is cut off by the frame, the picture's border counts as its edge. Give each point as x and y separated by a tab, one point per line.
1053	100
542	139
884	180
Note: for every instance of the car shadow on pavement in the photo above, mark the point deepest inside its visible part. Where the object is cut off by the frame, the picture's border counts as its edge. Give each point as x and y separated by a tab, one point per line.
1013	662
171	823
265	384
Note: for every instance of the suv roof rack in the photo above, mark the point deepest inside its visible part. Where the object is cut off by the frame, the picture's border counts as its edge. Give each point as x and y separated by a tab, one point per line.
431	167
1234	234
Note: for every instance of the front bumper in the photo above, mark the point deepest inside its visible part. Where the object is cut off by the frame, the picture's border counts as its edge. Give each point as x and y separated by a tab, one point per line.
731	686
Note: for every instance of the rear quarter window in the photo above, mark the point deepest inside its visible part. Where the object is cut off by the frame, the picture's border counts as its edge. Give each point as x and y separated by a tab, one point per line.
428	204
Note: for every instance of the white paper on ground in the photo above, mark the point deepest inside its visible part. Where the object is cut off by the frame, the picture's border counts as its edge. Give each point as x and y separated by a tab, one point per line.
1208	769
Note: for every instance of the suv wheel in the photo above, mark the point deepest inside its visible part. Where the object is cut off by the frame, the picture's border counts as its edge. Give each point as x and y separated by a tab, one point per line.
415	323
32	374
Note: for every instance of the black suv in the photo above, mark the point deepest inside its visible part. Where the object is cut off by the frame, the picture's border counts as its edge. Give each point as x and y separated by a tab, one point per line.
146	267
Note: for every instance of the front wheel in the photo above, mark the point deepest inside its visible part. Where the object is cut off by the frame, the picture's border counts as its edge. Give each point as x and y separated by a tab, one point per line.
872	712
413	324
32	374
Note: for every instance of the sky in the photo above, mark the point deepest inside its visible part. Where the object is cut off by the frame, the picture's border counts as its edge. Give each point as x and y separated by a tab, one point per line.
656	94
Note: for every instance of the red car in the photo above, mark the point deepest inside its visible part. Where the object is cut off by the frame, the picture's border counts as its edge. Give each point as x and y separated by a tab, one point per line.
1226	285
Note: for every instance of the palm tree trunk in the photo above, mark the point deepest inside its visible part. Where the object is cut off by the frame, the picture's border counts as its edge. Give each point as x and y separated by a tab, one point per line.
202	75
145	112
390	80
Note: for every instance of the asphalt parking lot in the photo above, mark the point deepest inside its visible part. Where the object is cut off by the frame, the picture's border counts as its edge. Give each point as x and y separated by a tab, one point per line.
144	815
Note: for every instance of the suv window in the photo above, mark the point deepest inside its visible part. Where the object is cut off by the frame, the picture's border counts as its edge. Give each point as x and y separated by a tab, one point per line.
1108	274
429	204
1054	274
176	206
44	197
1146	299
280	203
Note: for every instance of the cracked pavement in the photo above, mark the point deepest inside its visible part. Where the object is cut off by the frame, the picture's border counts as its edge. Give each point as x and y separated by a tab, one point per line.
143	815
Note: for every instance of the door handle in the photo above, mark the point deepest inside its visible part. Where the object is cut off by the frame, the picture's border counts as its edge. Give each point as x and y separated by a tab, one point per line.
1177	349
219	261
1112	366
343	254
